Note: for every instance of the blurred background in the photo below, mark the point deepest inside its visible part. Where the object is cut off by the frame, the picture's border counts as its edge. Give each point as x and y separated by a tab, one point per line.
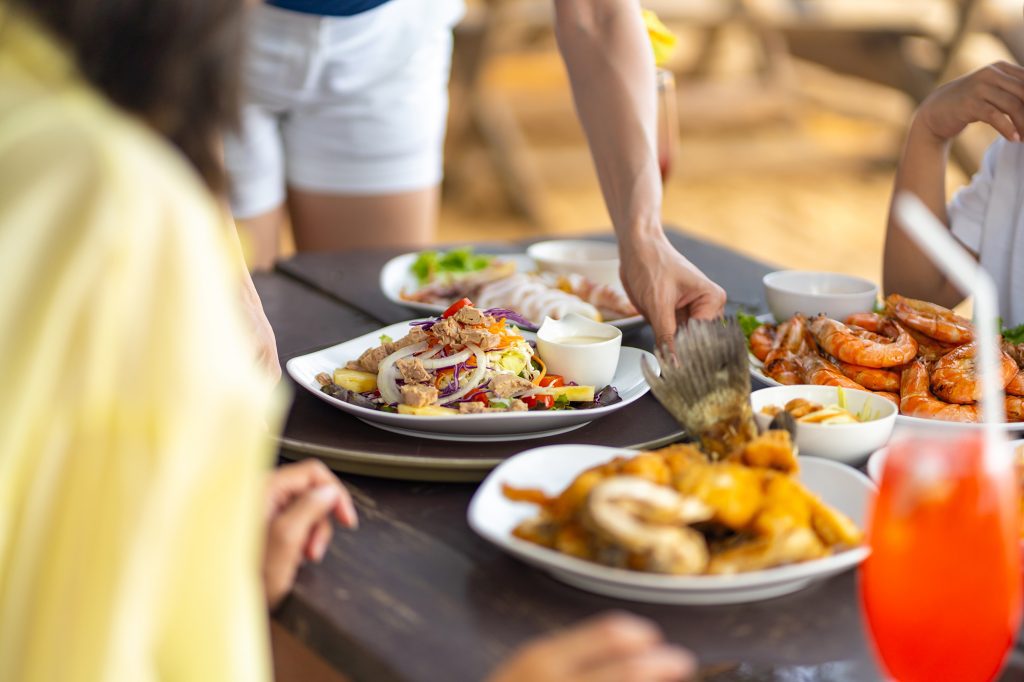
790	117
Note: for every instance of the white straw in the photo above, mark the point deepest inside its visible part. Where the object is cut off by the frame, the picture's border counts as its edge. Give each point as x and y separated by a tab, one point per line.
967	275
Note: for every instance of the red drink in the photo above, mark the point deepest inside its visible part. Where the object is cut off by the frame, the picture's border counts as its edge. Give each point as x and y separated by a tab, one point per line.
942	587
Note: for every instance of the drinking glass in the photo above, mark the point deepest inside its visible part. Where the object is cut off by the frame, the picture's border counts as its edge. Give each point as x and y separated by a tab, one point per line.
668	122
942	587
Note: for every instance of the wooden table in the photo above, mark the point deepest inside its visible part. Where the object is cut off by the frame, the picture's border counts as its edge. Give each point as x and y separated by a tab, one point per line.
416	595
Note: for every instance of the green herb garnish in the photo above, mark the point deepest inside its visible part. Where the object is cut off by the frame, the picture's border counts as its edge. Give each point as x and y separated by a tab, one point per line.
384	338
1014	335
748	323
430	264
561	402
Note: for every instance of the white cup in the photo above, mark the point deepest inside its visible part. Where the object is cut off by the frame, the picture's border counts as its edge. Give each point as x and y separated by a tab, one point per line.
580	349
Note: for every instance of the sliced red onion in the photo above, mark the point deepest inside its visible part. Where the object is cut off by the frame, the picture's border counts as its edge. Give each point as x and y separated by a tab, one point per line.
510	315
474	379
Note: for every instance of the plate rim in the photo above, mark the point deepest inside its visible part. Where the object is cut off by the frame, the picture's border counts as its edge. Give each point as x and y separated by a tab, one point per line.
550	560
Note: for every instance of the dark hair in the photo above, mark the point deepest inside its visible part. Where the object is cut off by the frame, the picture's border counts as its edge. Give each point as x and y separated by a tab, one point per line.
174	63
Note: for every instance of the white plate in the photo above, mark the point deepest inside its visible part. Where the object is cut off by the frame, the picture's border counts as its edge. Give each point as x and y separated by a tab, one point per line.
628	380
756	371
395	277
876	463
552	468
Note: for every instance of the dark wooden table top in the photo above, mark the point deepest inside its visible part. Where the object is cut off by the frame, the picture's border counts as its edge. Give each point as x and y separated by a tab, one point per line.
414	594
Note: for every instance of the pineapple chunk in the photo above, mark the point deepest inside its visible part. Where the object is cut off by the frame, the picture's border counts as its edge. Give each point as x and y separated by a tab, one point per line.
354	380
576	394
427	411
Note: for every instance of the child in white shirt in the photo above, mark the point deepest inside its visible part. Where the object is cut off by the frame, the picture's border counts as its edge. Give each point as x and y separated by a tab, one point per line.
986	216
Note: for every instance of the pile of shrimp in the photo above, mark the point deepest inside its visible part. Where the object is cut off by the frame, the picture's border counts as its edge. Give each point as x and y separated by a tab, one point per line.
674	511
919	355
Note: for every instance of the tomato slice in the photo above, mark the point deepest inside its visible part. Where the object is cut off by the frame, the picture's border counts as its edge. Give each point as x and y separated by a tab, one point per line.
542	402
552	381
456	307
479	396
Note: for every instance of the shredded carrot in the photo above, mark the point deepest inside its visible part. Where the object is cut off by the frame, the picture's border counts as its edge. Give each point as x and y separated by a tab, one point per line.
498	327
543	369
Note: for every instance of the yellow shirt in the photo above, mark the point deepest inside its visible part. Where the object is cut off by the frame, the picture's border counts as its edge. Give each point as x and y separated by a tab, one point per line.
132	422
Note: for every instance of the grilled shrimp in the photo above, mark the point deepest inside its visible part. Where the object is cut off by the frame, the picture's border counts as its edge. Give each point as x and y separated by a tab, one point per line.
873	378
928	348
762	340
1016	385
783	361
916	399
954	377
891	396
1014	408
861	347
872	322
818	370
941	324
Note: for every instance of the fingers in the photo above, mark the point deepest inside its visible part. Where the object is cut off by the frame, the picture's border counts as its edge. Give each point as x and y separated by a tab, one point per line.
290	480
661	664
1008	106
605	638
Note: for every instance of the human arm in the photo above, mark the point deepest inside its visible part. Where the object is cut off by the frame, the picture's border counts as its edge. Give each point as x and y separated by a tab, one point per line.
608	57
609	647
994	95
301	499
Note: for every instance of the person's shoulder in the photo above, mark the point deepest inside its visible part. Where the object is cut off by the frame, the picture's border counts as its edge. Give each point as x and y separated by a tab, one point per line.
76	135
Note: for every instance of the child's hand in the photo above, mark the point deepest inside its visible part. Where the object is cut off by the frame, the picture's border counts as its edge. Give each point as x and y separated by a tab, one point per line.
301	499
993	94
613	646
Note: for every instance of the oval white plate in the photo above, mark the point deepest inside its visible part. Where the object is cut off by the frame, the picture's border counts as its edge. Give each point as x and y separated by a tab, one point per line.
628	380
756	367
395	278
552	468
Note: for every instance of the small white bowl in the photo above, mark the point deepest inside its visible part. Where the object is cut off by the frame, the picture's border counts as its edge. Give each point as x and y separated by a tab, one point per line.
789	292
591	363
846	443
597	261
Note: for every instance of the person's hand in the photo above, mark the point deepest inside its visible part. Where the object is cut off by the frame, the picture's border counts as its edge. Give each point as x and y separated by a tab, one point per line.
301	499
993	94
614	647
665	287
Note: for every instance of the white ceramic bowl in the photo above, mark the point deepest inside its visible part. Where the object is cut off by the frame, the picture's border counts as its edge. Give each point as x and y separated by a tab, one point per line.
590	364
846	443
788	292
597	261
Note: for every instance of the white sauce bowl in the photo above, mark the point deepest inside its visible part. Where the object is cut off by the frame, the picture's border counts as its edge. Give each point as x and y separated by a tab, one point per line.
846	443
589	364
788	292
597	261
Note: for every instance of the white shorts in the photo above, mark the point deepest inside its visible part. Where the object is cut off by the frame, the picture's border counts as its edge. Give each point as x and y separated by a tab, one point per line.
342	105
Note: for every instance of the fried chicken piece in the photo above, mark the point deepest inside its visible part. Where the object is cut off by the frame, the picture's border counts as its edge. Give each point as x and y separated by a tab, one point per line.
733	491
797	544
770	450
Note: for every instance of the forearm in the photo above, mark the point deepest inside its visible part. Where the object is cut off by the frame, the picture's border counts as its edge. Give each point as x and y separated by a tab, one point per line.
610	65
922	172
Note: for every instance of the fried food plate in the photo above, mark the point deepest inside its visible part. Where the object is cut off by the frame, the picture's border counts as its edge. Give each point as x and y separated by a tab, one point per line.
396	277
757	372
552	468
499	426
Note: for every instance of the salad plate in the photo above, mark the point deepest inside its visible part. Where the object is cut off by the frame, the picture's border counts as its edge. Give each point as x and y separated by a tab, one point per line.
628	381
493	516
397	276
